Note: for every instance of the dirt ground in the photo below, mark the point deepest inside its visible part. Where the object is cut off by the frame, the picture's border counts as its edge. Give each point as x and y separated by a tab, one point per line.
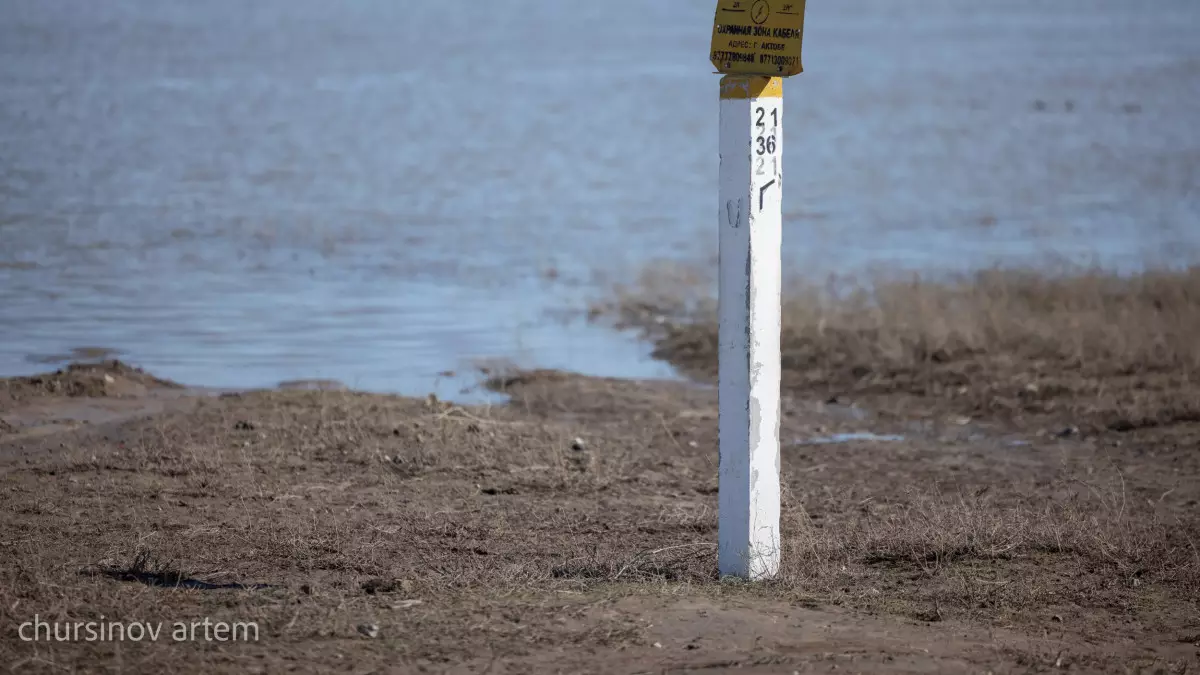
1027	504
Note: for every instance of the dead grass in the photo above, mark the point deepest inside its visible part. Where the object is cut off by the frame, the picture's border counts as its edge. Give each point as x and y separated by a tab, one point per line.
580	517
1114	351
502	546
940	558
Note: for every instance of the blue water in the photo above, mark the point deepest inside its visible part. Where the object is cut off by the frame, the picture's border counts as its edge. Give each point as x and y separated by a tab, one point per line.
835	439
236	194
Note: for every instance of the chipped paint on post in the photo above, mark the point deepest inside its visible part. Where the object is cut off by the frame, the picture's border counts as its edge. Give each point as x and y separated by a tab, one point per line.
749	217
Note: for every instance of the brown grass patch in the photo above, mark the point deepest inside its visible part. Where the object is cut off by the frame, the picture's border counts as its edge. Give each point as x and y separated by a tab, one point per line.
573	528
941	558
1113	351
506	532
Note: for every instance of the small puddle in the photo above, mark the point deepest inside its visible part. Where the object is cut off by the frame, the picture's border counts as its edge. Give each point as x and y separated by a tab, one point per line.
848	438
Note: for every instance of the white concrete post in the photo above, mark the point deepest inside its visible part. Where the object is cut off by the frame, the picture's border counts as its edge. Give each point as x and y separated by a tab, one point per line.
751	178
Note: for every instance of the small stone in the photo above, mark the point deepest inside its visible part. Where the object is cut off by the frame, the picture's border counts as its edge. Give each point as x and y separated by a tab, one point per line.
1068	432
578	445
109	379
1032	388
693	444
368	629
658	645
1056	618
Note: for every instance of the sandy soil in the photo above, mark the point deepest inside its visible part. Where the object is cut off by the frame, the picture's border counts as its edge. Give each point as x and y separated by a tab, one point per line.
1005	528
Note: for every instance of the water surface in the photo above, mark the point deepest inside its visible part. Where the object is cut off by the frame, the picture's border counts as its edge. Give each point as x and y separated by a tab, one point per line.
236	194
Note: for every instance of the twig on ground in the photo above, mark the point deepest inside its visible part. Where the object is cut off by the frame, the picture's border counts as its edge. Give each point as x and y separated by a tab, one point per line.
646	554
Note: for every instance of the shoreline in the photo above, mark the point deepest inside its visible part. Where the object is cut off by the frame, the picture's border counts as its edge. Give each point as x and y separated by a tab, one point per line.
573	527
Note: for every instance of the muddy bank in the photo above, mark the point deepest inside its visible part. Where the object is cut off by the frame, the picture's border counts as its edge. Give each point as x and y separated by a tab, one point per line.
83	380
994	474
573	529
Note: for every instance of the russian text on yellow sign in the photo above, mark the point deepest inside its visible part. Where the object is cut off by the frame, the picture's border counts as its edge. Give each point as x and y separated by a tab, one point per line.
758	37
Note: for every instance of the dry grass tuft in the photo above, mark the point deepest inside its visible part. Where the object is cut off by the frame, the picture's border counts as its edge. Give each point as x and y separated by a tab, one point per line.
974	559
1114	350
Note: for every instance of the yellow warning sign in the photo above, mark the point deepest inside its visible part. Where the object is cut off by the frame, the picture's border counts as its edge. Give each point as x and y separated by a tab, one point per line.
758	37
